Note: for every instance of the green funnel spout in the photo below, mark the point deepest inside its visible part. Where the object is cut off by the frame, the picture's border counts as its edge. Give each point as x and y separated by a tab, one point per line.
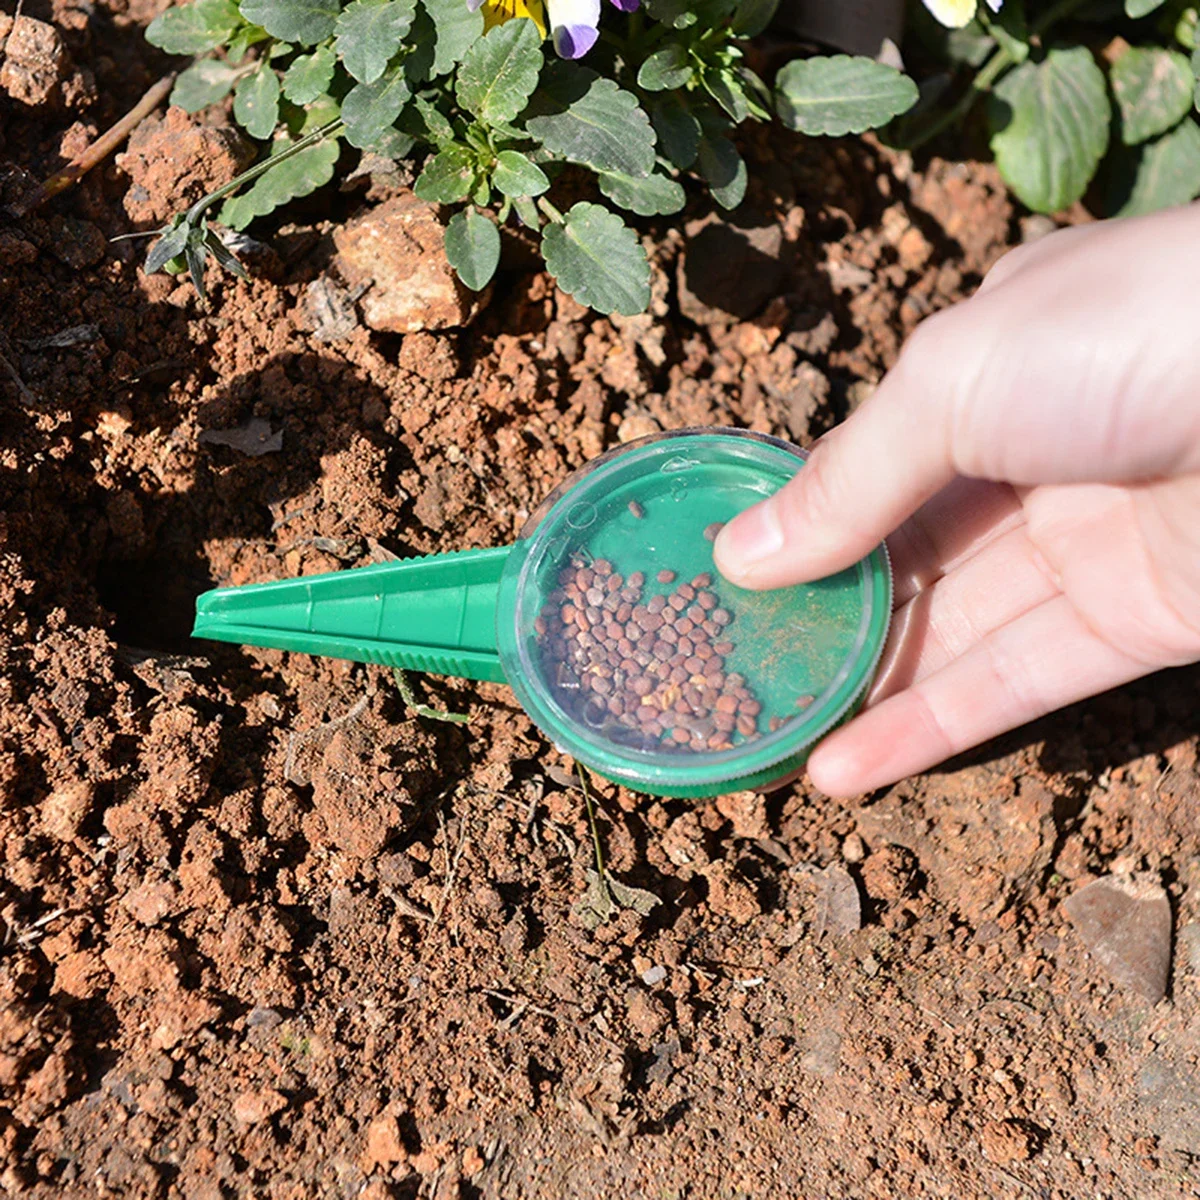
435	614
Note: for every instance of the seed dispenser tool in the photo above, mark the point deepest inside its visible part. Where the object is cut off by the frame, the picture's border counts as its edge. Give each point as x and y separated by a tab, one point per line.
610	622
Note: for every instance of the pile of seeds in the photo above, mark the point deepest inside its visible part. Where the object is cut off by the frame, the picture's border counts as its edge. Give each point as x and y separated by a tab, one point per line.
649	675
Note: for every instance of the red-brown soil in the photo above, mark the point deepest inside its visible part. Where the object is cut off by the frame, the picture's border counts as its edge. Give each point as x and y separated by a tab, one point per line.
264	933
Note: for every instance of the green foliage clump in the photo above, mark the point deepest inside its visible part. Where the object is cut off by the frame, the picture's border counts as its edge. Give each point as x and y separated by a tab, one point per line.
494	118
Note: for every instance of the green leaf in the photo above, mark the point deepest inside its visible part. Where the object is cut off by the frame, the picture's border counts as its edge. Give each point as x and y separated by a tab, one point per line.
168	246
305	22
371	109
682	14
655	195
426	122
309	76
516	176
589	120
418	62
500	71
839	95
256	102
677	129
202	84
242	40
1158	174
1141	8
724	169
194	28
753	17
223	256
457	29
1153	89
309	170
668	68
473	248
369	32
527	212
449	175
595	257
1049	124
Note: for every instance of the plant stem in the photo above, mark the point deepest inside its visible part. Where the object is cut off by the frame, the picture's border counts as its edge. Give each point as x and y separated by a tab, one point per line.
101	148
1000	61
261	168
591	812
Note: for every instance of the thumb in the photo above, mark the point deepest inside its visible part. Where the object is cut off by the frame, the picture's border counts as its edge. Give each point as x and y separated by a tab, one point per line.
860	482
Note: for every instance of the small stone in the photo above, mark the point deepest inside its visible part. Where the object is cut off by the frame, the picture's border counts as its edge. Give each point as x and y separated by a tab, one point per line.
254	1107
839	906
1125	922
654	976
397	252
853	850
35	62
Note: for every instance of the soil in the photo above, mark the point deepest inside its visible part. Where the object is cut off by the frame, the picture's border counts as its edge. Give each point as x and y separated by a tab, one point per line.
268	933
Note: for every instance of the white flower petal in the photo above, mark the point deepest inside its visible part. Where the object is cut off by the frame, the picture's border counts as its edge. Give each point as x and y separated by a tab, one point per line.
953	13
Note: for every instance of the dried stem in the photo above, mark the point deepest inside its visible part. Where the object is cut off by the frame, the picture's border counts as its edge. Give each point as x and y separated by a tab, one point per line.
101	148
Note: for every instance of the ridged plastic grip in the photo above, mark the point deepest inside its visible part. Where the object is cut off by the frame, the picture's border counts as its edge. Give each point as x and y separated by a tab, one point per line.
435	614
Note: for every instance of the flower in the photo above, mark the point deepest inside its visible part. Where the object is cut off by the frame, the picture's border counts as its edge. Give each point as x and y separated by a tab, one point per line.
957	13
496	12
573	24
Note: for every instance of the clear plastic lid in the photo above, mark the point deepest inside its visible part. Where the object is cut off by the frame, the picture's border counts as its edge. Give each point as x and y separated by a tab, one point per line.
629	649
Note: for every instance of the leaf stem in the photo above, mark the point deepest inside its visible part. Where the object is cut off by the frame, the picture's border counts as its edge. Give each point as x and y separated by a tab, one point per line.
591	813
550	211
331	129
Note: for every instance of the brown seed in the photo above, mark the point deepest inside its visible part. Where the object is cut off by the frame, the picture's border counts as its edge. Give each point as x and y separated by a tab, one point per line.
593	615
702	580
724	721
639	685
661	651
721	616
712	628
708	697
679	674
724	648
694	665
704	650
569	613
652	622
656	603
775	724
715	740
714	679
647	713
595	597
678	603
602	567
614	584
682	707
685	647
735	680
750	708
804	701
746	726
668	634
540	626
711	531
681	735
616	705
706	600
624	612
695	614
727	704
636	509
686	591
653	729
683	626
665	576
636	579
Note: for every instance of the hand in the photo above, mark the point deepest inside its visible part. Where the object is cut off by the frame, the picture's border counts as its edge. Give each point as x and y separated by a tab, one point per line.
1037	451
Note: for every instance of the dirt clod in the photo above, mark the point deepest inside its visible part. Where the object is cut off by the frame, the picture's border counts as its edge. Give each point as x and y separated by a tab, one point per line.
1007	1141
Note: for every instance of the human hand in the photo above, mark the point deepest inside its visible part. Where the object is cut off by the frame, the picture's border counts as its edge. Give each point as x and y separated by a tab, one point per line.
1037	451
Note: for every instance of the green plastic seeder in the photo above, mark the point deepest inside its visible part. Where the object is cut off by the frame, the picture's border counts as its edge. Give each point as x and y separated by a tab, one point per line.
435	614
807	654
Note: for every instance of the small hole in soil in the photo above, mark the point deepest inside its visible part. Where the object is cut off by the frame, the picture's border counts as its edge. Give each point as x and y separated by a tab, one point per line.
153	602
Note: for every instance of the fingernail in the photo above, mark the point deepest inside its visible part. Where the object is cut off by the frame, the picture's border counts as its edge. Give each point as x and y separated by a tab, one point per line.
749	539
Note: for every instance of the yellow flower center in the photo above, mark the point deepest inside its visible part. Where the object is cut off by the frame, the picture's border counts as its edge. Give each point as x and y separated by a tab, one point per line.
496	12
